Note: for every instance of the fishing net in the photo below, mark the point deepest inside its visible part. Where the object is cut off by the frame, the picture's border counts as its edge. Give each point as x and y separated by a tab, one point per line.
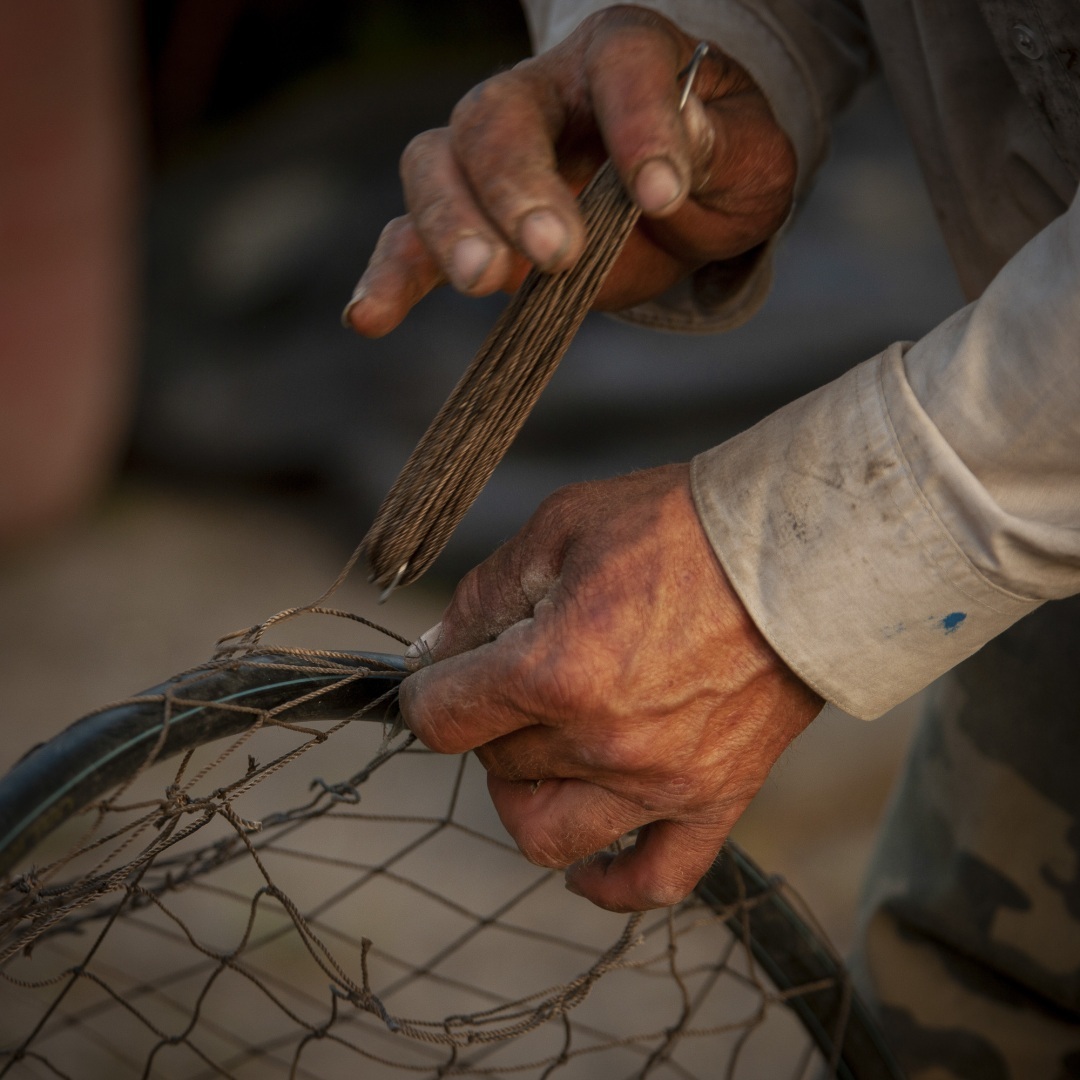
270	877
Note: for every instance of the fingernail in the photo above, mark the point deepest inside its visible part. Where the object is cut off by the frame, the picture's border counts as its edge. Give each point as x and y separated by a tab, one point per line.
470	258
544	238
419	653
358	294
656	185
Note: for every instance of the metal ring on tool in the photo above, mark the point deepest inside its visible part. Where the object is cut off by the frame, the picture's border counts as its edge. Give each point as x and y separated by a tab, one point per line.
690	72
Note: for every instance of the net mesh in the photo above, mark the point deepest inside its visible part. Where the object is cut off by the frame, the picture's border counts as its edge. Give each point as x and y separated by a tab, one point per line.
320	898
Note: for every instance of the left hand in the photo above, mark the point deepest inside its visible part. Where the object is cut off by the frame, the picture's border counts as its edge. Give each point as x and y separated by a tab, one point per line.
493	191
609	679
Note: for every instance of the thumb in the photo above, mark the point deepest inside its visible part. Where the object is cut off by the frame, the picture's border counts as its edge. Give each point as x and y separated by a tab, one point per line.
499	593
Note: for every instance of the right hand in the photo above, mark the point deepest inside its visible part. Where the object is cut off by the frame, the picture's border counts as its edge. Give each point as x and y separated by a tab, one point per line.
493	193
609	678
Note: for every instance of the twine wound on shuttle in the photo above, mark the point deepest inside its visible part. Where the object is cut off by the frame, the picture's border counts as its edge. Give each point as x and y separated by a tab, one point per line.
473	430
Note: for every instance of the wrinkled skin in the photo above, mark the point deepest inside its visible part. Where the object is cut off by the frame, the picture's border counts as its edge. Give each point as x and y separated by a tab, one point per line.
493	192
603	652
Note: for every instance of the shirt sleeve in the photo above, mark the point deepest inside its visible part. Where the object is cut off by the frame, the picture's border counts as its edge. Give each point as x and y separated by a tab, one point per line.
888	525
806	57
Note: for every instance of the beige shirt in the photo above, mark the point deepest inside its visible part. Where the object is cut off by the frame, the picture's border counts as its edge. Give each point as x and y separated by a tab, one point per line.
885	527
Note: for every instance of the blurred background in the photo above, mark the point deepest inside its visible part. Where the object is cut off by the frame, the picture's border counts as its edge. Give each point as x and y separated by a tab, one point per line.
189	441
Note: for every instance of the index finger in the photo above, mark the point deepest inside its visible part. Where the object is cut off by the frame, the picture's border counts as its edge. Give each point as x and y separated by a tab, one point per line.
504	134
470	699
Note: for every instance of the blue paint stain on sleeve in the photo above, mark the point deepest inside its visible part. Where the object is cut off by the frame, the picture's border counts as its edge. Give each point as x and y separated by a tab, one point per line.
952	621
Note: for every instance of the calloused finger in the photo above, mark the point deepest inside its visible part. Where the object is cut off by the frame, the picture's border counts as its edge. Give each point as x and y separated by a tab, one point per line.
666	861
503	134
632	72
462	239
400	273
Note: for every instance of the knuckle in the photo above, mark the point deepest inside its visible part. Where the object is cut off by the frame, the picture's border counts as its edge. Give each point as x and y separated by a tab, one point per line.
622	18
618	42
396	236
562	511
635	38
666	892
475	109
420	149
561	498
542	848
502	134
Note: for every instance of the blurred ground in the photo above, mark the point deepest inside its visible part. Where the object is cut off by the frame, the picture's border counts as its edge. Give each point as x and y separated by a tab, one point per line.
252	394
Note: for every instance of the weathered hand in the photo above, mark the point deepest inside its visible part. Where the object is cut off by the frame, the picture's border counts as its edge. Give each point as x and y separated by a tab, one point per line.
494	191
603	653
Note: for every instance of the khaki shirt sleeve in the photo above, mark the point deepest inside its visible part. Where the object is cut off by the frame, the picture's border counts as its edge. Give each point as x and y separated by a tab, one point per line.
885	527
807	60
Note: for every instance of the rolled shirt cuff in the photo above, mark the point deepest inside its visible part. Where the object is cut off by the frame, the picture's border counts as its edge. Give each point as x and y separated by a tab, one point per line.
838	555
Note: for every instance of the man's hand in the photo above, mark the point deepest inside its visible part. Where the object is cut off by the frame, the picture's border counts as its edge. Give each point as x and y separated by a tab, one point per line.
608	678
494	192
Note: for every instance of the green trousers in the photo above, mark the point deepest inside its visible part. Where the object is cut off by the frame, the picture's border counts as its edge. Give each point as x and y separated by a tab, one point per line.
970	923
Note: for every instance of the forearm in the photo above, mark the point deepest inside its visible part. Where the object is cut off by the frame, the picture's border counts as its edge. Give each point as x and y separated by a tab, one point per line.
885	527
